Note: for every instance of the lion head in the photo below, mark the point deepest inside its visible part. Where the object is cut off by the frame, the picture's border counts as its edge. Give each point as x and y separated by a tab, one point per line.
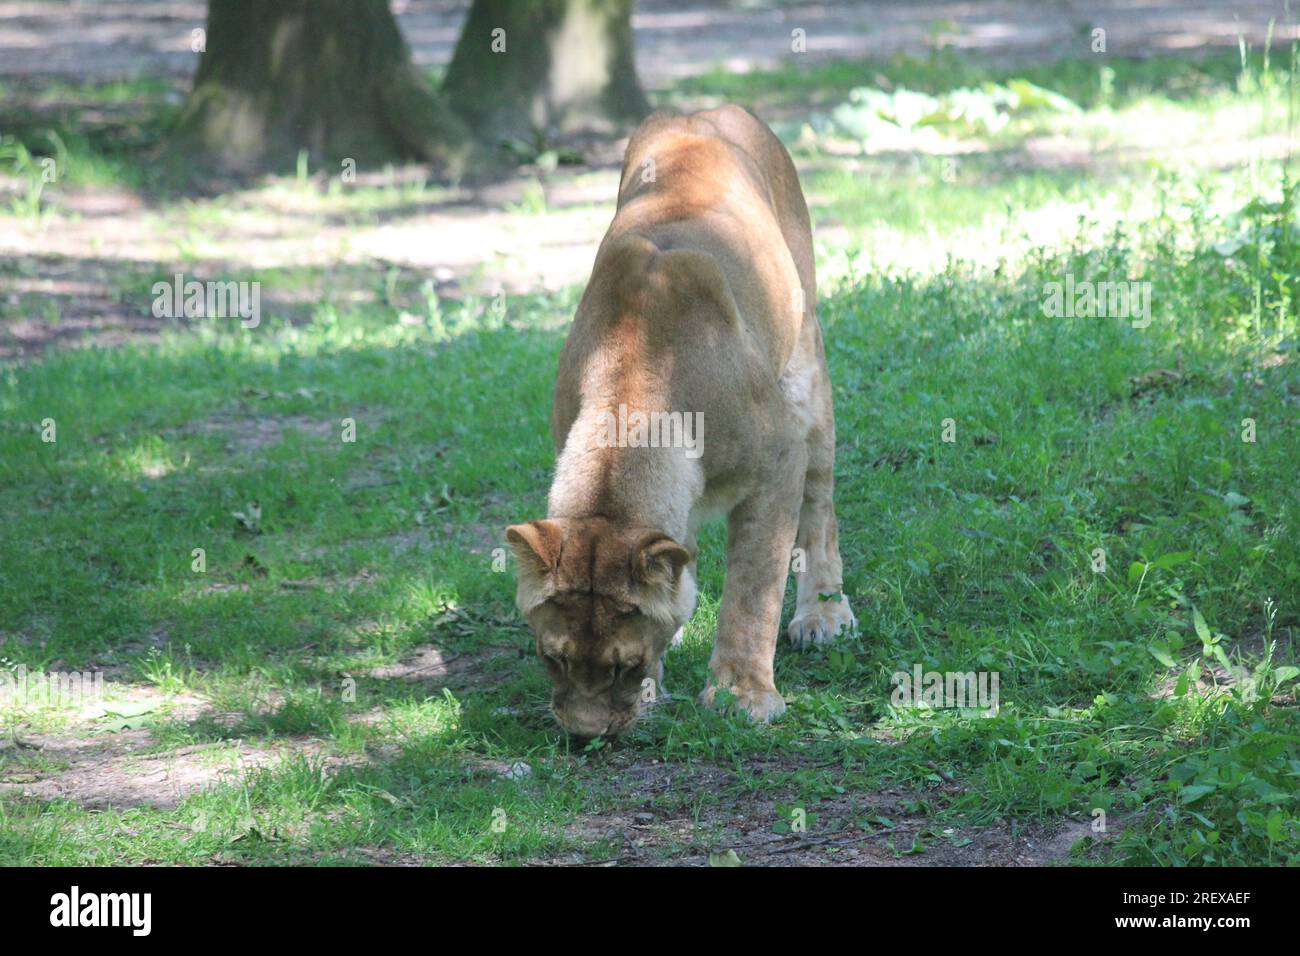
603	601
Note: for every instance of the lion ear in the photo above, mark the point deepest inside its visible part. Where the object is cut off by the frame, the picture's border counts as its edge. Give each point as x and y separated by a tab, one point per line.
537	545
658	560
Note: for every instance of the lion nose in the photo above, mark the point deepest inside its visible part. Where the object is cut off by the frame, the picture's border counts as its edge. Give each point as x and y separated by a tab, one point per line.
587	728
586	721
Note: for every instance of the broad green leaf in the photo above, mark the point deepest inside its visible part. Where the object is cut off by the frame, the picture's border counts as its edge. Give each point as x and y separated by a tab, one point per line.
1195	792
1161	653
1202	629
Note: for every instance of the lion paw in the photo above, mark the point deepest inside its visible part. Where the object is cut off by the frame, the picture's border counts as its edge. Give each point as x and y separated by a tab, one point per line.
821	622
764	704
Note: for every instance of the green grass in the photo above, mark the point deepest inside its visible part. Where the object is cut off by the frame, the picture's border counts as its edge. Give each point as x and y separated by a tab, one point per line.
1091	81
1160	690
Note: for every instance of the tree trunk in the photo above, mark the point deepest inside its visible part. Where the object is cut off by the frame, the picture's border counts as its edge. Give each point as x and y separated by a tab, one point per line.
333	77
526	69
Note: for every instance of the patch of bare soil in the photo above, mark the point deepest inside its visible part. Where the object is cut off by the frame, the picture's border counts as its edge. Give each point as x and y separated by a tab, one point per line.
107	765
250	433
122	770
870	828
462	672
91	285
246	430
105	761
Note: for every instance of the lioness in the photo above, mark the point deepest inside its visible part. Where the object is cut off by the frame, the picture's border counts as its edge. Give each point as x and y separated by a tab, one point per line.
698	322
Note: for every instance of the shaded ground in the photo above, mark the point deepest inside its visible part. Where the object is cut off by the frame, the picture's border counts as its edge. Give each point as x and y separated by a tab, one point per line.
674	38
878	827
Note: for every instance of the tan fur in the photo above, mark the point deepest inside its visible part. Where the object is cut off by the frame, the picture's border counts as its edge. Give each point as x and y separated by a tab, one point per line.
701	300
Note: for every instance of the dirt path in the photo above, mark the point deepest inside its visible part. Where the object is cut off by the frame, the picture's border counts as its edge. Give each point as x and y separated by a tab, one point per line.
114	38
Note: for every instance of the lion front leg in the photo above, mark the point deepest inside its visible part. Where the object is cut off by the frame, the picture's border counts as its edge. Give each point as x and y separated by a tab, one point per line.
760	533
